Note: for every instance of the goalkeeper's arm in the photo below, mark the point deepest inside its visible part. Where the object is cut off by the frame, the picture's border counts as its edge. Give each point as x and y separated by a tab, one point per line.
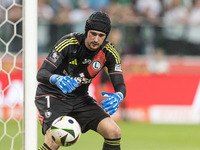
45	72
64	83
118	83
111	103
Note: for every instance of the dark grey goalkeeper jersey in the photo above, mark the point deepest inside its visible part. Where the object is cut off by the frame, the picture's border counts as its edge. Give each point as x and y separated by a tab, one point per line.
70	57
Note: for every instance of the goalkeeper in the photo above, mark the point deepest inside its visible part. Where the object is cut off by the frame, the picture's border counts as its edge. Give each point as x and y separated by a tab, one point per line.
66	74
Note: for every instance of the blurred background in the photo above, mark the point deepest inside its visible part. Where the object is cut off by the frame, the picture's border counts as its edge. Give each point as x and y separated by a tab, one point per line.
159	44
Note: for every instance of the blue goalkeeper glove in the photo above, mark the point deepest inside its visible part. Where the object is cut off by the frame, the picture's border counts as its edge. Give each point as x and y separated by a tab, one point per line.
65	83
111	104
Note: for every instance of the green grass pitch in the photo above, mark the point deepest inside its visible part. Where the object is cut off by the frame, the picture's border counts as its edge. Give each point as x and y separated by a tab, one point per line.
135	136
144	136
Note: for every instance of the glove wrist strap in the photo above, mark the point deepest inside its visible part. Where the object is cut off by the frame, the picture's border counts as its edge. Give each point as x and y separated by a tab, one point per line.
120	95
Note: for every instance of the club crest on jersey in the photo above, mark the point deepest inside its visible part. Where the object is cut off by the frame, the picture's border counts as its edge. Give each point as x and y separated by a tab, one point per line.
96	65
47	114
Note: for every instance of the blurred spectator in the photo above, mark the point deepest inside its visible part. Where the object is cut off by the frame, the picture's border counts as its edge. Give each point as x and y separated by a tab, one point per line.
45	17
14	28
114	11
98	4
129	15
125	17
150	12
115	37
193	36
157	64
62	17
16	17
174	21
56	4
79	15
140	21
11	25
45	12
61	23
184	3
123	14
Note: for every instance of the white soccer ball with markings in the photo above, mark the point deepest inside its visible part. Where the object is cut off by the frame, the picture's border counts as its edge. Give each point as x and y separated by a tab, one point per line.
65	131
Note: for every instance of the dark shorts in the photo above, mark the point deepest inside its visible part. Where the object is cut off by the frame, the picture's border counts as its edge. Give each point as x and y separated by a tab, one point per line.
84	109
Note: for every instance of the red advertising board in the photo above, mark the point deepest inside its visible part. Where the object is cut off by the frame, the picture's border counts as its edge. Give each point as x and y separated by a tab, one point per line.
172	97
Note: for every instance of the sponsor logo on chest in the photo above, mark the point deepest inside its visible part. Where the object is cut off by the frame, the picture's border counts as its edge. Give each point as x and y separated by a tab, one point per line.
86	61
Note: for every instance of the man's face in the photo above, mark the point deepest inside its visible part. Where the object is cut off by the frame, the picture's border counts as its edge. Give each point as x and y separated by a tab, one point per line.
94	39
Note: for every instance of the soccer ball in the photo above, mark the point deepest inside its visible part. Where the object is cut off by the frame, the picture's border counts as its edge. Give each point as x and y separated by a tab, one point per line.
65	131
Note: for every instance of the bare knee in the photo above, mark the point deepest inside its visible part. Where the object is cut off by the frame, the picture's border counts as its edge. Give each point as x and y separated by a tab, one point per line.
49	141
109	129
115	133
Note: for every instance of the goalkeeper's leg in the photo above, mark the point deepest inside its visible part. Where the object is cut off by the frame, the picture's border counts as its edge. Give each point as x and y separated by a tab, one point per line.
111	133
49	144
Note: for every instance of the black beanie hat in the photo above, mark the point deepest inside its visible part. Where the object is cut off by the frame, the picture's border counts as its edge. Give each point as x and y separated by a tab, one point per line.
99	21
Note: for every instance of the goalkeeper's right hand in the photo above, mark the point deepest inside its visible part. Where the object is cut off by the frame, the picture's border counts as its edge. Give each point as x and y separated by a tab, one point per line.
65	83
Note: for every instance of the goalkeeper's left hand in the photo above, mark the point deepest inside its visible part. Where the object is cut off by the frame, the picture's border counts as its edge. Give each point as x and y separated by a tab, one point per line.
112	102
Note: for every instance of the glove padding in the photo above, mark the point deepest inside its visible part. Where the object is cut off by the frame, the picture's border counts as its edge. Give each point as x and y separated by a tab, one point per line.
112	102
65	83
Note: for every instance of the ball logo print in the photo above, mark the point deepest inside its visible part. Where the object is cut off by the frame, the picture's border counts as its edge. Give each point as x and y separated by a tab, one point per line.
96	65
65	131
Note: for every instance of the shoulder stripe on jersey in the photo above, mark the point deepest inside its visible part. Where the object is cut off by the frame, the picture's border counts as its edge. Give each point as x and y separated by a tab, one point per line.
116	52
111	49
65	43
61	43
72	38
